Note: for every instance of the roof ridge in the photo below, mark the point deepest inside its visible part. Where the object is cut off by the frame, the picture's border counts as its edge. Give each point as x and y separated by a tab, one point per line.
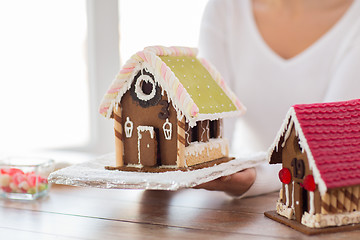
172	51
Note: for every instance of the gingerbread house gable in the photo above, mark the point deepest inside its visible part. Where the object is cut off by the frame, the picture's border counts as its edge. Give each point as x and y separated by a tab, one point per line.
194	87
329	134
318	146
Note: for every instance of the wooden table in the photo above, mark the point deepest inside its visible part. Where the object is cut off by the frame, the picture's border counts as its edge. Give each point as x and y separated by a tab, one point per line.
89	213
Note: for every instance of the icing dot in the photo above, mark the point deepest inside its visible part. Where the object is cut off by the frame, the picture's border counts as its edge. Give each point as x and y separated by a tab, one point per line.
177	60
198	86
194	76
183	60
204	76
216	106
210	96
202	107
222	105
230	105
210	106
182	65
172	66
221	94
184	75
208	86
199	94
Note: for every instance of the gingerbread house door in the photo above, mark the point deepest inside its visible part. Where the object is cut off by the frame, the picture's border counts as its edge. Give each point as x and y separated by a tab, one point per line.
301	201
147	146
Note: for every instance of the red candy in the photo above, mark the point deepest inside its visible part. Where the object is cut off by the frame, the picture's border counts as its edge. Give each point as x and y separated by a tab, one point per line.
285	175
309	183
11	171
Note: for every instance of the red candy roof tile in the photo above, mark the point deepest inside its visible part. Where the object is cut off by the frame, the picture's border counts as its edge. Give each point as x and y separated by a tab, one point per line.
332	132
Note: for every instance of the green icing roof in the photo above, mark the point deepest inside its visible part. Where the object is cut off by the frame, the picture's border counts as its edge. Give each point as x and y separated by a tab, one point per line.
197	81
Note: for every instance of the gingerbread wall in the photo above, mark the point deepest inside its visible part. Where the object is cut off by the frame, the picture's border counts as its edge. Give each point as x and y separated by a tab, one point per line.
149	116
295	159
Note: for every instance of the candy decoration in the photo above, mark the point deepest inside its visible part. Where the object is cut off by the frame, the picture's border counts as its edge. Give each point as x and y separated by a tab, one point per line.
13	180
285	175
309	183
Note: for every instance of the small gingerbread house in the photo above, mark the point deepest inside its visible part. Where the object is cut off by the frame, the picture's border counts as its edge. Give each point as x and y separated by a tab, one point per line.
167	107
319	149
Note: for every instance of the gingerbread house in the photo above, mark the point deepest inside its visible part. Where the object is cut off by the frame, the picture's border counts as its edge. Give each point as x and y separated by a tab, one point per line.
167	107
319	149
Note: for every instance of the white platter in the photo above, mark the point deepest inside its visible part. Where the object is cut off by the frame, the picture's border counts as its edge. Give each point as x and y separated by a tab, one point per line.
93	174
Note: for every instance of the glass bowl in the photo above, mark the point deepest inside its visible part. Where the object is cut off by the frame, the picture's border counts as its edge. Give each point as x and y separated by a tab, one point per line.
25	178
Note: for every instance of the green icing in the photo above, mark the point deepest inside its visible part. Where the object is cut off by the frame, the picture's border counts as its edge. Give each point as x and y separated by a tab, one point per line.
197	81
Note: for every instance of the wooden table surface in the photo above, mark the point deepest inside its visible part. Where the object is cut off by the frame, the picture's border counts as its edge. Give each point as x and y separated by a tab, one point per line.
90	213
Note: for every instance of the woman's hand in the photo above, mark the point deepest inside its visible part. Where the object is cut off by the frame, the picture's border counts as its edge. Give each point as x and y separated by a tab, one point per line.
234	185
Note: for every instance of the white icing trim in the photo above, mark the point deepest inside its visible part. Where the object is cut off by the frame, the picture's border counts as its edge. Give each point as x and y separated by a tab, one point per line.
213	116
187	135
312	203
292	196
134	165
287	194
168	166
195	148
287	134
291	116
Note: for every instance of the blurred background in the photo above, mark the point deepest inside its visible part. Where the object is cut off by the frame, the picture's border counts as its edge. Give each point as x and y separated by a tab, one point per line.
57	58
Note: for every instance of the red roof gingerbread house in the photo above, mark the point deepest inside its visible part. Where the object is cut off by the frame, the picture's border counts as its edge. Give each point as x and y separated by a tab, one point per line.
319	148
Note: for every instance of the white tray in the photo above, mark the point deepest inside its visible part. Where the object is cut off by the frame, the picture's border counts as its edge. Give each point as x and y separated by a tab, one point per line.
93	174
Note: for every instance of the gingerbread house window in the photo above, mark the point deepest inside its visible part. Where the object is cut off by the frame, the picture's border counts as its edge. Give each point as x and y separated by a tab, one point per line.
194	133
214	127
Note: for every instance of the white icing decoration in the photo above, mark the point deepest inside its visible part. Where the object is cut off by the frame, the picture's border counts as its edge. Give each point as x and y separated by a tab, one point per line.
205	130
138	90
167	128
221	128
312	203
287	194
187	135
292	195
195	148
128	127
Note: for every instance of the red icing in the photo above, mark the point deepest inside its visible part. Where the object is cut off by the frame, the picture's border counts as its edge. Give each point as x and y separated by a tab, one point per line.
332	132
285	175
309	183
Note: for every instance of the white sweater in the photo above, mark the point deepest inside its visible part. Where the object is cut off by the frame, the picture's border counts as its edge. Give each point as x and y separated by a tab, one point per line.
268	85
